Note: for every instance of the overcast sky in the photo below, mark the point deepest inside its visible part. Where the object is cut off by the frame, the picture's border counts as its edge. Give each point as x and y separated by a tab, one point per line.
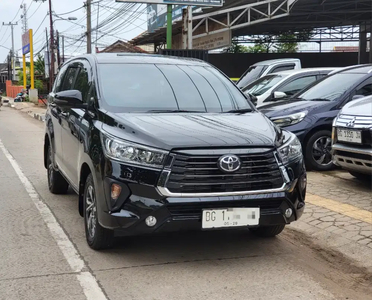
37	11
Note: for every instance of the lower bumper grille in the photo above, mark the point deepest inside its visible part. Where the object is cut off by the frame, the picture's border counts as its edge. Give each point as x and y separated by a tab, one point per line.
195	209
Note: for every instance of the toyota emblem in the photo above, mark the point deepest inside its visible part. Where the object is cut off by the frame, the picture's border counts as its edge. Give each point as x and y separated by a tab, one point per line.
229	163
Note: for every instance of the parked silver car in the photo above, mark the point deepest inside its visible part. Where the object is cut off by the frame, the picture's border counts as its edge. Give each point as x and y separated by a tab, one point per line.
352	138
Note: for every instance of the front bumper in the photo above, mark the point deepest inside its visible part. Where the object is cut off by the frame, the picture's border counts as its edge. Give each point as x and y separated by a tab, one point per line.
185	213
353	158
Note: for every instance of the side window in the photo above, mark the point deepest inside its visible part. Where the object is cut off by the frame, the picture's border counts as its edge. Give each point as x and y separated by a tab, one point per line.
82	82
365	89
297	85
283	68
59	80
69	79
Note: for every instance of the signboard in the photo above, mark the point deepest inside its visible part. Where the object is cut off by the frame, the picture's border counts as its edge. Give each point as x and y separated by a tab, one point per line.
26	42
213	41
157	15
182	2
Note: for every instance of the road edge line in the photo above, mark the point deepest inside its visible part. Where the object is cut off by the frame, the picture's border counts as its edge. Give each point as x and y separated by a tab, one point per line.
86	279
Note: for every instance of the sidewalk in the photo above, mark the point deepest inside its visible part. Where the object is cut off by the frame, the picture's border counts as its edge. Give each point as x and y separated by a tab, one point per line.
338	216
33	110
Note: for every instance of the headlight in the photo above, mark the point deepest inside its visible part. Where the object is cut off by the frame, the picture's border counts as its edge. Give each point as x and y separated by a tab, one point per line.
291	150
290	120
131	153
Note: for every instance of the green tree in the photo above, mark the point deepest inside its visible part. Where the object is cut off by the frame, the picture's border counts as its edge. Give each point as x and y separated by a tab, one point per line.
39	66
39	85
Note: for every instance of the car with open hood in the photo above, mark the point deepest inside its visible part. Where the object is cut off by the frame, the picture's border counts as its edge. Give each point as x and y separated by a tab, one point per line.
310	113
153	144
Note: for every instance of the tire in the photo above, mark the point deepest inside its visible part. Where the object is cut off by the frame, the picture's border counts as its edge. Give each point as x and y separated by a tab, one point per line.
267	231
318	155
361	176
98	238
56	183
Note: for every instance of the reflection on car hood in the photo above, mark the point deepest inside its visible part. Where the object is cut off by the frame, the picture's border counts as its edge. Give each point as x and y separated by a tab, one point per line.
284	108
360	107
184	130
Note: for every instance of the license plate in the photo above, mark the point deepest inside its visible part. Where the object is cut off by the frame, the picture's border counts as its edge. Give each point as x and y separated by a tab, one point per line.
230	217
351	136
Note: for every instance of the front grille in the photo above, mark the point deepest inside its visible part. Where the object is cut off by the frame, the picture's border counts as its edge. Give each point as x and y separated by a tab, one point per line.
200	174
359	156
195	209
360	122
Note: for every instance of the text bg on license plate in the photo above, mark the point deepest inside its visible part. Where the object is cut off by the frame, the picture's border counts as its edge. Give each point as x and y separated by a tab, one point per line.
230	217
351	136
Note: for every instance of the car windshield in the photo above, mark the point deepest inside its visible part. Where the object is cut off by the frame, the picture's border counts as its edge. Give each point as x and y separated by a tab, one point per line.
331	88
167	88
250	75
262	85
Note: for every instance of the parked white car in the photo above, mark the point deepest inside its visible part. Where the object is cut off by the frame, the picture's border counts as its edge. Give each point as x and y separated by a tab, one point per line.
282	85
263	68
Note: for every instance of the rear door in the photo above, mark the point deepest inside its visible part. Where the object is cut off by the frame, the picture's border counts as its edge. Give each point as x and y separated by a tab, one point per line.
69	128
56	117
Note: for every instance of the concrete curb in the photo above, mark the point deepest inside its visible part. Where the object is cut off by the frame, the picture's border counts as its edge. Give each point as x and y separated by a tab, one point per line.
29	109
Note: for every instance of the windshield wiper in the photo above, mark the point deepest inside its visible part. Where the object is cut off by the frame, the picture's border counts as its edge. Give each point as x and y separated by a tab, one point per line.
320	99
174	111
239	111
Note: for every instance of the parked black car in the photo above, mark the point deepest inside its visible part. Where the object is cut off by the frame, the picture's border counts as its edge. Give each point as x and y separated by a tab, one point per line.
352	138
154	143
310	113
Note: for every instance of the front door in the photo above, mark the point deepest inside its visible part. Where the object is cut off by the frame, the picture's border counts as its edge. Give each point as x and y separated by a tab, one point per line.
71	139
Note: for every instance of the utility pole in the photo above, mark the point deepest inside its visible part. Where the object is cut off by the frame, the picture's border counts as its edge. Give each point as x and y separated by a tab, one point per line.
89	27
169	26
187	28
51	75
13	53
24	18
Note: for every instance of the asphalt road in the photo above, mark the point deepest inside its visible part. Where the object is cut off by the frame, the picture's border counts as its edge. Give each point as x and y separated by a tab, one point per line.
206	265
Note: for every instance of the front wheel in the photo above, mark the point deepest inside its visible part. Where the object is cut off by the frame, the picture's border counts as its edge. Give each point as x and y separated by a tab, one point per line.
267	231
98	237
318	154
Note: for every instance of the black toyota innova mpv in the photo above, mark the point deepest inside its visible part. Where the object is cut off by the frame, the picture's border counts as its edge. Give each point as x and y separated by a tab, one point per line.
154	144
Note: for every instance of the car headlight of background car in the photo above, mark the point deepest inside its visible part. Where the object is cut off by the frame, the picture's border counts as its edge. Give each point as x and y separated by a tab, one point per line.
132	153
291	149
289	120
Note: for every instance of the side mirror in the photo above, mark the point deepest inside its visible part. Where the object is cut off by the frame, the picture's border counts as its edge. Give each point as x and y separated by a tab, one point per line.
355	97
279	95
69	99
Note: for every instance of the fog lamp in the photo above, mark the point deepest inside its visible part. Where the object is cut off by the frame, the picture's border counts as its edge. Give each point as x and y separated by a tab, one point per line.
115	191
150	221
288	213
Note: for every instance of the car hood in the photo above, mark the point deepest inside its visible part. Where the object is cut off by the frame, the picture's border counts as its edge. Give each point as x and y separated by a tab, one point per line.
288	107
360	107
185	130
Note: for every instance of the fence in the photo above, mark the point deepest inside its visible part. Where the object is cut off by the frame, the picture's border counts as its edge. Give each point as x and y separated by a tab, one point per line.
199	54
12	90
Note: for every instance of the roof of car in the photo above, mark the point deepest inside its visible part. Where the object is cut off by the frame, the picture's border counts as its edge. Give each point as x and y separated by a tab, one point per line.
272	61
361	69
305	70
137	58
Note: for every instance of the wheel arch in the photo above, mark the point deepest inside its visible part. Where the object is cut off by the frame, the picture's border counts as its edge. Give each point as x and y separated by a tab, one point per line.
85	170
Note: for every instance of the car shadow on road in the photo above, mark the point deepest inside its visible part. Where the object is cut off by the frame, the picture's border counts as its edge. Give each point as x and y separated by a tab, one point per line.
194	246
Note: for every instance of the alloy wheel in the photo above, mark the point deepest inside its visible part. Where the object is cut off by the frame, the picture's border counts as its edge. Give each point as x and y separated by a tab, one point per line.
322	148
91	211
